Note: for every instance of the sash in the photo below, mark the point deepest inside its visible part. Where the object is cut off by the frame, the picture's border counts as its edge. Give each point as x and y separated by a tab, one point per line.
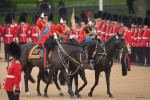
44	32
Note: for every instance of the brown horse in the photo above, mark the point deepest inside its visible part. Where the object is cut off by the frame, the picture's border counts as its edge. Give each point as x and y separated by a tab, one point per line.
61	55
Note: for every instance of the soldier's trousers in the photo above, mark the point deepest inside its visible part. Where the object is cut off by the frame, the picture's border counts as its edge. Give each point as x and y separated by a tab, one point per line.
146	55
6	48
11	96
140	55
133	55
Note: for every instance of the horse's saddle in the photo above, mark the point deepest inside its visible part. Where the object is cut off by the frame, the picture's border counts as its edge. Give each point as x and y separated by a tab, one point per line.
38	52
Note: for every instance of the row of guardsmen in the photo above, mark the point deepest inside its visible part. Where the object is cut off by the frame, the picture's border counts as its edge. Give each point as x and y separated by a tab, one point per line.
103	26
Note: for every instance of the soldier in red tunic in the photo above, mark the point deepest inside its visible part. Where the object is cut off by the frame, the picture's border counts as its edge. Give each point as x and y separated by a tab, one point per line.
99	19
127	37
103	29
108	26
7	34
145	39
96	21
83	21
13	78
139	41
62	29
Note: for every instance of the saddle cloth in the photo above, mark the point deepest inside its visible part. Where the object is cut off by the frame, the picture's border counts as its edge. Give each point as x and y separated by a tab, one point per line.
37	52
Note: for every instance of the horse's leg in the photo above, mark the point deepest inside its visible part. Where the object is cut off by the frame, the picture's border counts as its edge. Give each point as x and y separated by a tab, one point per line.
107	73
26	77
68	84
82	75
39	77
76	84
56	84
51	73
97	72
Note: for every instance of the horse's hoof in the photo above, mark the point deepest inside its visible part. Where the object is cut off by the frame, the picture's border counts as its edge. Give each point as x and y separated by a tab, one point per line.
45	96
111	96
90	94
28	94
72	97
39	94
79	96
61	94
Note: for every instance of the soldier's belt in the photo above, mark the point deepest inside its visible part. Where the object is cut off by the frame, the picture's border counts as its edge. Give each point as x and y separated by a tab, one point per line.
10	76
23	34
8	35
103	32
145	38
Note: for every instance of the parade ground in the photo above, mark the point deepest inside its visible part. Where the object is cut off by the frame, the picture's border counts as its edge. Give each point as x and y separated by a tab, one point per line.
134	86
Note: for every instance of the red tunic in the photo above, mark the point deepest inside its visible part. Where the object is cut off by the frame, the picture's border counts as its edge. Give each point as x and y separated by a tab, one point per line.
82	34
15	28
63	32
111	32
127	37
22	33
96	26
9	34
139	37
13	77
99	30
135	37
145	37
35	34
107	32
115	29
103	31
0	32
42	26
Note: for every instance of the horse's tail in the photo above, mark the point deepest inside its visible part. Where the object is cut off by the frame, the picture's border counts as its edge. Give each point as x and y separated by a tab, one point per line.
124	70
62	78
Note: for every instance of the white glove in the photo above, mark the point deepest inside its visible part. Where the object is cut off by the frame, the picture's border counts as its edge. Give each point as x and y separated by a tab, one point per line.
55	37
16	39
129	49
30	40
76	36
90	22
42	15
61	20
36	35
70	37
13	39
2	39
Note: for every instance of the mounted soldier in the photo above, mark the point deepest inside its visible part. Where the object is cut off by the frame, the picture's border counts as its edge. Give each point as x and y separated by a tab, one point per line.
45	32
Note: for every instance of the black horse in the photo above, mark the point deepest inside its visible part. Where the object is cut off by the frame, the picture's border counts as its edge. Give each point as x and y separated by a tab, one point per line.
61	54
116	42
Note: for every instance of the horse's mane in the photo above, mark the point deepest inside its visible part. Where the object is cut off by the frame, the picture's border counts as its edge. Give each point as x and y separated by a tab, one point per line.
73	42
110	40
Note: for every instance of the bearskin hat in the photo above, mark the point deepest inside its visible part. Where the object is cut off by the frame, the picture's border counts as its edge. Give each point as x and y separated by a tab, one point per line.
115	17
44	8
95	15
8	18
25	14
139	21
83	18
147	21
130	17
35	18
99	14
15	50
13	15
77	19
104	15
147	14
133	19
22	19
120	18
63	13
50	17
126	21
108	16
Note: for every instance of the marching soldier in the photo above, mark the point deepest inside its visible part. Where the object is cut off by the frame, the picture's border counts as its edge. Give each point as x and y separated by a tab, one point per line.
145	39
62	29
13	78
108	23
7	35
115	22
99	19
139	41
22	31
45	31
83	21
127	37
103	29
